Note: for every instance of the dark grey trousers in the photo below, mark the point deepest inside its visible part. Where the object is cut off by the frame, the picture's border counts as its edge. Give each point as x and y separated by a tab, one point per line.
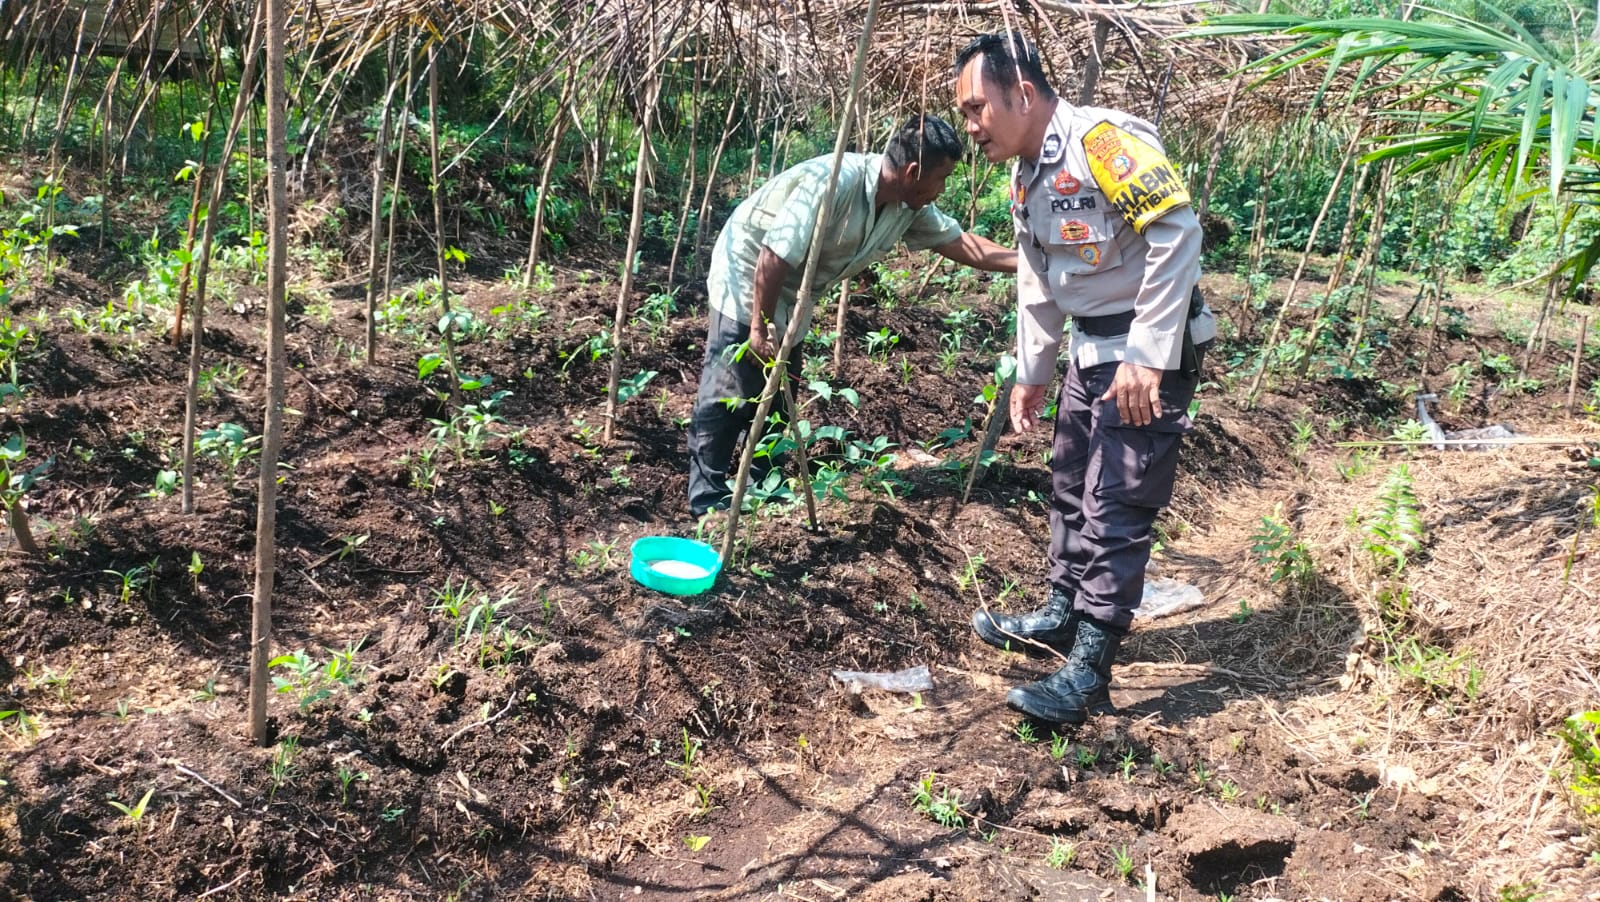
1109	481
716	426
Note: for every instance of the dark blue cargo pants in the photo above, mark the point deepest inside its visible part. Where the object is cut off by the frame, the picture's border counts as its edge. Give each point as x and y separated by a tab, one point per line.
1109	481
716	426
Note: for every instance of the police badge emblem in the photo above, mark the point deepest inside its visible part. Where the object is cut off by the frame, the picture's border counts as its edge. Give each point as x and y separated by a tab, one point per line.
1074	230
1066	184
1090	254
1052	147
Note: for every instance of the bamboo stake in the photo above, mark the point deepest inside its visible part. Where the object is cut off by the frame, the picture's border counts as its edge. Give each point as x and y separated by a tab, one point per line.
399	170
688	192
1341	260
438	221
375	219
711	183
799	450
641	175
1367	267
1294	284
191	392
803	303
272	433
1577	362
838	327
558	130
191	226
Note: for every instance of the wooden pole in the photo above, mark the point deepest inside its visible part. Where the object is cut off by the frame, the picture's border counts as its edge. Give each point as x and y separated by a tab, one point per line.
375	219
272	433
799	449
1341	261
191	403
438	220
1577	362
558	129
641	176
1294	284
399	171
804	301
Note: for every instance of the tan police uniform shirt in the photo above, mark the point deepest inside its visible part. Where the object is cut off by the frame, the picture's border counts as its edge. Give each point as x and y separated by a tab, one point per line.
781	216
1104	226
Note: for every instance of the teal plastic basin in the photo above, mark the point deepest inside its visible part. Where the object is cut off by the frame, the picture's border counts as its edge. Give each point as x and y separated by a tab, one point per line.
673	565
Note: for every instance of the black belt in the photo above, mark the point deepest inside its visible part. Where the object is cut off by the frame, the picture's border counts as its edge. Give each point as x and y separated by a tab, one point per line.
1113	325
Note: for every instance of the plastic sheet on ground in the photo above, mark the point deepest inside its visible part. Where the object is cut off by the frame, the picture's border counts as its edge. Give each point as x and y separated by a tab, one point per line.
912	679
1164	597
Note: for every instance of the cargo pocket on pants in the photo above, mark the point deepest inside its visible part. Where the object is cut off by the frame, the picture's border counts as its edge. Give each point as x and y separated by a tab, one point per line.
1139	464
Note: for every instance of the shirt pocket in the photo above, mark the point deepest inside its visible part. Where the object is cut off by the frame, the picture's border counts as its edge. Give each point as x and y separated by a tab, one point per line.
1084	241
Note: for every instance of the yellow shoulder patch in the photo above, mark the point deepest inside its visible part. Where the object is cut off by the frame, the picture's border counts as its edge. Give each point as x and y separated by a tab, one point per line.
1138	179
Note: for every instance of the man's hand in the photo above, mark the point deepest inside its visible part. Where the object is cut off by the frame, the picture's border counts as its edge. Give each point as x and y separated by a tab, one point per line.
1025	400
761	341
1137	391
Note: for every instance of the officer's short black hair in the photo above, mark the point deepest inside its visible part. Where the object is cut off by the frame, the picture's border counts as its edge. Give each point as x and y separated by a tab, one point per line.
1007	59
925	140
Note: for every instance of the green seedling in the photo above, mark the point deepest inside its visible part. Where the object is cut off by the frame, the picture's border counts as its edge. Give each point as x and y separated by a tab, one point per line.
691	752
348	775
348	545
196	567
695	843
281	769
231	445
1128	762
135	812
133	580
1228	790
1061	854
1058	747
1122	860
20	720
1024	732
943	809
1087	757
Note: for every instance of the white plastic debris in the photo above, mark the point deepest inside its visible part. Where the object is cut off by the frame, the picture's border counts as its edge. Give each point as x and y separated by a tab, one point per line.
1163	597
912	679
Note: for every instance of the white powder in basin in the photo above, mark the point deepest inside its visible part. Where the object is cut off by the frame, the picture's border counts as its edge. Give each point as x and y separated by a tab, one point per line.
679	569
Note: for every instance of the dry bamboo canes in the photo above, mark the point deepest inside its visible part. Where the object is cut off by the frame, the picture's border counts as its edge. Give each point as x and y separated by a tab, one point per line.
438	222
838	327
375	219
1294	284
194	220
1551	292
1367	266
1341	260
641	176
272	433
711	183
688	191
803	303
800	450
399	170
558	130
1577	362
191	393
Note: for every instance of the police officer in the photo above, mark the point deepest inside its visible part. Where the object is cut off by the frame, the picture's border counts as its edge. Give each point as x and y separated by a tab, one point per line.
756	269
1107	237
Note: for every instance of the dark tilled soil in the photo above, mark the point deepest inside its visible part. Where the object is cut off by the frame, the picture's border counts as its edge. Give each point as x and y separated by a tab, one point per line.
489	707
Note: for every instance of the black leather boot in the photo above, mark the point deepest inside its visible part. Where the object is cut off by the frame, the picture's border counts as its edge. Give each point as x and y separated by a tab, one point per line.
1083	686
1055	625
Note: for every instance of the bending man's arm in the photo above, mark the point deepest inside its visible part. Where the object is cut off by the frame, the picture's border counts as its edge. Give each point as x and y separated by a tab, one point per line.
979	252
771	271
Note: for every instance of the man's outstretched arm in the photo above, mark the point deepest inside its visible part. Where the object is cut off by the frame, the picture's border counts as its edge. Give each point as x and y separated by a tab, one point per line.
979	252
